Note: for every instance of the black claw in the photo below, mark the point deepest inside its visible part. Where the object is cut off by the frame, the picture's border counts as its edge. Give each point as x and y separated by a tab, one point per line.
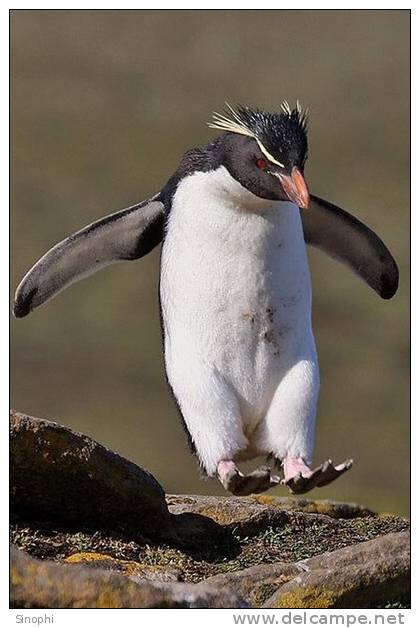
258	481
321	476
332	473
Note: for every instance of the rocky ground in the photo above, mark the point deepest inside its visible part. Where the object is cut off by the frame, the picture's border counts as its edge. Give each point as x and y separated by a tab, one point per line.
91	529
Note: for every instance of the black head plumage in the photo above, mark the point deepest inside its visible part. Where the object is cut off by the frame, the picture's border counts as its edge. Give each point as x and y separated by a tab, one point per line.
281	136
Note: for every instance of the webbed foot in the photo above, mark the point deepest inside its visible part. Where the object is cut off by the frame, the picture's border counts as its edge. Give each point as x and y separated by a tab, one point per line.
238	483
299	478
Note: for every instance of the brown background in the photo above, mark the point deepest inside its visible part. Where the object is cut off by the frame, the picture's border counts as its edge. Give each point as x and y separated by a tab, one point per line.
103	105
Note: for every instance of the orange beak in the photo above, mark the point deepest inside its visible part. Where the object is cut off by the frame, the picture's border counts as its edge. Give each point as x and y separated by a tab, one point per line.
296	188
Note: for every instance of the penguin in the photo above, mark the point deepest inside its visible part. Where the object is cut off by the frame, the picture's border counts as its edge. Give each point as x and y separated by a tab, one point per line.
235	292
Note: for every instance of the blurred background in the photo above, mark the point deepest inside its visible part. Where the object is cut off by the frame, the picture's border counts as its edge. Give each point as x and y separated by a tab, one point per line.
104	103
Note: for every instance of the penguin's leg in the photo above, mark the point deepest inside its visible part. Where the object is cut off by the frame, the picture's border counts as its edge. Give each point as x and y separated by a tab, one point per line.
212	417
289	427
210	411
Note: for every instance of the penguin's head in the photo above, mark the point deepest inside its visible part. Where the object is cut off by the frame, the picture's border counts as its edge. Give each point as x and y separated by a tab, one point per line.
266	152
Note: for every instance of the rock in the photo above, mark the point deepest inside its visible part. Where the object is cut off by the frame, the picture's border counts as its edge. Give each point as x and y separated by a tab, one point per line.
233	510
244	516
44	584
204	548
337	510
360	576
116	542
67	478
257	583
136	571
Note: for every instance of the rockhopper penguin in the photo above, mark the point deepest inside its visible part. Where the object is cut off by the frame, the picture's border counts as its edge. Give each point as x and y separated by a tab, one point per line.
235	291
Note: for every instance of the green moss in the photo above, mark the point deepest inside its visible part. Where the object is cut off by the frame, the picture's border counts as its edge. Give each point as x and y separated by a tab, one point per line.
87	557
312	597
337	510
263	592
334	597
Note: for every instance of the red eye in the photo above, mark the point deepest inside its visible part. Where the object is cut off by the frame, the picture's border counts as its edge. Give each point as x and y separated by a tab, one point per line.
261	164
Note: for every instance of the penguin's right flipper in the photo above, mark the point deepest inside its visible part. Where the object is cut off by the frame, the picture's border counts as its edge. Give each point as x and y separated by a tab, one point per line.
126	235
345	238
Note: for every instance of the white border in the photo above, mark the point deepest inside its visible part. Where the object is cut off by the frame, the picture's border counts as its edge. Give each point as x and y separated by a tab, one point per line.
205	617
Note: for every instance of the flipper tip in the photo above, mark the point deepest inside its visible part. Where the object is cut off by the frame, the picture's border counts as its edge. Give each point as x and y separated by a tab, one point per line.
389	283
20	310
22	304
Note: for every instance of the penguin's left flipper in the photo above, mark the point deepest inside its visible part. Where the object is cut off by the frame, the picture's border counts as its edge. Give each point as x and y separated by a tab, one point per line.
126	235
345	238
321	476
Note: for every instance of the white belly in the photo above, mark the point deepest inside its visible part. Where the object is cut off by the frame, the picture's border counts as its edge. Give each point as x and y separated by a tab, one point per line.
235	290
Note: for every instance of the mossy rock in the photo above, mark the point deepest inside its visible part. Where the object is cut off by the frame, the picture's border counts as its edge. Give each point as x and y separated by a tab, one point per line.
337	510
44	584
67	478
128	567
359	576
79	506
297	537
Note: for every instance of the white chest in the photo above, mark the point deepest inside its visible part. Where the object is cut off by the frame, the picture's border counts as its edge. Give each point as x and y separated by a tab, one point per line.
235	285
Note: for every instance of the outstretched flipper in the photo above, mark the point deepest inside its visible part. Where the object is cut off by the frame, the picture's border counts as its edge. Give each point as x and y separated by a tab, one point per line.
126	235
348	240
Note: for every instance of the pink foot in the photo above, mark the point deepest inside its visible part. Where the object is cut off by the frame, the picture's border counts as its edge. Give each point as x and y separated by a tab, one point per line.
225	468
300	478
